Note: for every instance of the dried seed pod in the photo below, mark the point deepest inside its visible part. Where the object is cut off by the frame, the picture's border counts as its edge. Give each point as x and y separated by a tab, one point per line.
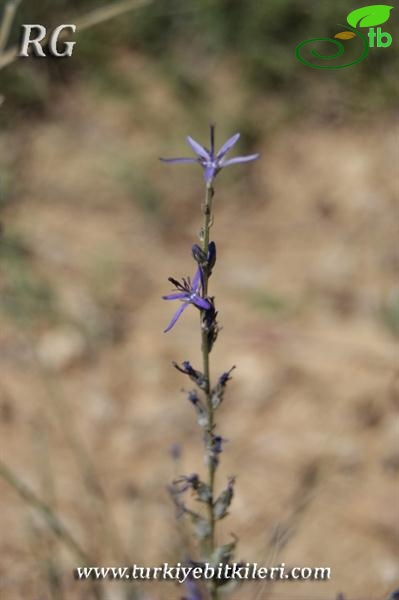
217	393
220	508
224	553
196	376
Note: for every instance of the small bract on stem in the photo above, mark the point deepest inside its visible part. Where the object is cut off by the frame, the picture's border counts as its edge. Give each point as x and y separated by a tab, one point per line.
195	293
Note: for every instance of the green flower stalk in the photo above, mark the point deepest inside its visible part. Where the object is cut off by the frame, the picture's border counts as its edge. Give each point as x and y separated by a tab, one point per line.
206	398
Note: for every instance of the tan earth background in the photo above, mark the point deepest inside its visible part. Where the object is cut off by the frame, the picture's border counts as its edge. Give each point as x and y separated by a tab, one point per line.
305	284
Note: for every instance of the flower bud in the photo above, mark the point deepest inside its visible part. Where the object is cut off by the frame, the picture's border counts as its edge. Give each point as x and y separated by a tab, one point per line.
199	255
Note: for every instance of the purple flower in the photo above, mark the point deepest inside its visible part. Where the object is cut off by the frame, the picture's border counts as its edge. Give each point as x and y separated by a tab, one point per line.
188	292
192	589
210	161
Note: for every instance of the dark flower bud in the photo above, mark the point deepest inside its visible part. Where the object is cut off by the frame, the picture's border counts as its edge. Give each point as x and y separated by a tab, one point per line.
210	324
194	375
201	411
199	255
207	261
217	393
222	504
193	397
225	377
211	257
217	442
214	448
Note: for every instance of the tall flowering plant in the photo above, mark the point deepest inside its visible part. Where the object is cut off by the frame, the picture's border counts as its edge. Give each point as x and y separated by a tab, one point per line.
207	396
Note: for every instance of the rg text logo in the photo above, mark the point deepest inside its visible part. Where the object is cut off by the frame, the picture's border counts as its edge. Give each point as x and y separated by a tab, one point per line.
35	41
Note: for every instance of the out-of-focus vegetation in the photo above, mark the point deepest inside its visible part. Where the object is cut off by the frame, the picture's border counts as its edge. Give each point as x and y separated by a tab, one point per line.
24	293
92	226
184	38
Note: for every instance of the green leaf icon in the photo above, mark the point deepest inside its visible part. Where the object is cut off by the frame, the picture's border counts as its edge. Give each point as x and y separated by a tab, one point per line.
369	16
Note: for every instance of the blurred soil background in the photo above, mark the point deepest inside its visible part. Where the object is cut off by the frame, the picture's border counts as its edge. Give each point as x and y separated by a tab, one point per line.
306	284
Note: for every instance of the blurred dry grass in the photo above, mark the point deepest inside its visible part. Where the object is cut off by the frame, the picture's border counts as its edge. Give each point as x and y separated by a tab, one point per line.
305	281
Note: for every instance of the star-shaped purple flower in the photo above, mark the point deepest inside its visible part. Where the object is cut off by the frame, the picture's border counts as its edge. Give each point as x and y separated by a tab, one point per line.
210	161
188	292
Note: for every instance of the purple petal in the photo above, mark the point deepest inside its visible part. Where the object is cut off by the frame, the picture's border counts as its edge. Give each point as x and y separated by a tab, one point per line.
240	159
175	296
179	160
227	146
209	173
196	279
175	317
198	149
201	303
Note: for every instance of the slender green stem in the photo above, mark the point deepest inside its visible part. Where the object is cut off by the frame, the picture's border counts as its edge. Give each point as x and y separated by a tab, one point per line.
207	211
